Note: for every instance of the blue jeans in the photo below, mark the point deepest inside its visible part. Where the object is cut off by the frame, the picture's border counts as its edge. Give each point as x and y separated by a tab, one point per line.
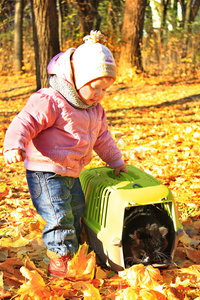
61	202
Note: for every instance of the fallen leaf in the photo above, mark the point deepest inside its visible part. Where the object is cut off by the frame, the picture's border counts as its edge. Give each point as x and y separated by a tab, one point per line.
91	293
141	276
15	242
3	293
82	266
185	239
35	286
129	294
146	294
193	254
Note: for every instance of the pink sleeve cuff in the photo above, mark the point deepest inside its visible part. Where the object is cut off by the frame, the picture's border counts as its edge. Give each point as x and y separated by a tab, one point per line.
116	163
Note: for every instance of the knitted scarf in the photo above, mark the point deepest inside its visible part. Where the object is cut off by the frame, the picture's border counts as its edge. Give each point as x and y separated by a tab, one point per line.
68	91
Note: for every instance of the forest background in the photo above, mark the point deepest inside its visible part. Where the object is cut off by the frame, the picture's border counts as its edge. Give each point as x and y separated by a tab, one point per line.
153	114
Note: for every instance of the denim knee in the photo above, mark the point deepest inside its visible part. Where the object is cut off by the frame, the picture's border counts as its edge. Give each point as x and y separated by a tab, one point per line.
60	201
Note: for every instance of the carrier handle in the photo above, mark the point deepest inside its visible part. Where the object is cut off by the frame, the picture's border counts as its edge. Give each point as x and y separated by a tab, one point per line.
136	184
126	176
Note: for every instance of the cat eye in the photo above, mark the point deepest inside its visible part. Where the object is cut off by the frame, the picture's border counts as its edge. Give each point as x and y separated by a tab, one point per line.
142	253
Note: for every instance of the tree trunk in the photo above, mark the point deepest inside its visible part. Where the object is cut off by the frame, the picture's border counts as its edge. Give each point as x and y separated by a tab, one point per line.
175	9
189	12
88	12
194	10
183	9
132	32
60	21
164	6
18	38
149	17
46	39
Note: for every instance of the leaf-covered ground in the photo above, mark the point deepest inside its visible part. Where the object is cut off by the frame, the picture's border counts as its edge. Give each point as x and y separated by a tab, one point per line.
156	125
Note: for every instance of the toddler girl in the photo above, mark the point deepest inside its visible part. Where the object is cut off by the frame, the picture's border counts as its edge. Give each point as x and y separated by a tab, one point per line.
55	134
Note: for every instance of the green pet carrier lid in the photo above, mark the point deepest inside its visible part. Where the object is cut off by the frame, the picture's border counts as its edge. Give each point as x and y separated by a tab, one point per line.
102	187
109	198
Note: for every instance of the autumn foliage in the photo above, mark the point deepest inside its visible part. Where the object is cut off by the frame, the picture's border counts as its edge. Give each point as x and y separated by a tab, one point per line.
155	122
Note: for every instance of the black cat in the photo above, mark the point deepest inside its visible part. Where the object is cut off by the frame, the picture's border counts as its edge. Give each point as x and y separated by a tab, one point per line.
147	236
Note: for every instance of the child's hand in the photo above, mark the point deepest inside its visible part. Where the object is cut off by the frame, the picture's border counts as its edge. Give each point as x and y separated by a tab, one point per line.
121	168
15	155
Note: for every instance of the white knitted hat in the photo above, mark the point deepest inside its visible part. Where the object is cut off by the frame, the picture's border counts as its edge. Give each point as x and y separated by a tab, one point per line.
92	60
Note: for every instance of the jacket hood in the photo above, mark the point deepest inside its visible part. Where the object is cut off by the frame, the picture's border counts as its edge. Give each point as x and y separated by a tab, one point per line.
60	65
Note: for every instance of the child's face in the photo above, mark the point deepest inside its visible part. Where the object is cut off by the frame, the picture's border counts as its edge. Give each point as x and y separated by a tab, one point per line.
94	91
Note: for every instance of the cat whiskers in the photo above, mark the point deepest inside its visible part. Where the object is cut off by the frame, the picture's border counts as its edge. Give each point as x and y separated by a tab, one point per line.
130	262
163	258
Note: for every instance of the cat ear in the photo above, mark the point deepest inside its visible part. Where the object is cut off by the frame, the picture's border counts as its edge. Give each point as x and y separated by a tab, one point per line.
163	230
138	234
153	226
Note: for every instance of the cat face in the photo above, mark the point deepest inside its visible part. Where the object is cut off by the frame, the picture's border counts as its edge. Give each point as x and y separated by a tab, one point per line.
147	245
147	236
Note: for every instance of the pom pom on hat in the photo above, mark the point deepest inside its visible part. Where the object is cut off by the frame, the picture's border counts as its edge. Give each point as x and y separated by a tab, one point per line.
92	60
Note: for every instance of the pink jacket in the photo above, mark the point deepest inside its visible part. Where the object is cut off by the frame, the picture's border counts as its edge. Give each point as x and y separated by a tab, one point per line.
60	138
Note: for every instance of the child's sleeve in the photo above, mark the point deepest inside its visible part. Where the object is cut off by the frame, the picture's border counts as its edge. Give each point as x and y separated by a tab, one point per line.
106	147
37	114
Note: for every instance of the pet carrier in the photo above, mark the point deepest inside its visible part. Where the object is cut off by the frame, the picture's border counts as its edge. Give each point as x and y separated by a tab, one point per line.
109	199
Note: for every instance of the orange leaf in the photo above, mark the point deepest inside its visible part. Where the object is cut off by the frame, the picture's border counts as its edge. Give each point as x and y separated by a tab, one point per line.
97	282
82	266
9	265
34	287
173	294
10	268
139	275
3	292
62	287
193	254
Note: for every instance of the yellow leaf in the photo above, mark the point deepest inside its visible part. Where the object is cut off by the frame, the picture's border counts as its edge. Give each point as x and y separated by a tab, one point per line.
3	187
5	242
185	239
100	274
33	276
140	294
19	241
1	284
15	242
91	293
31	266
129	293
146	294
